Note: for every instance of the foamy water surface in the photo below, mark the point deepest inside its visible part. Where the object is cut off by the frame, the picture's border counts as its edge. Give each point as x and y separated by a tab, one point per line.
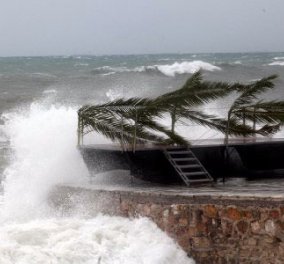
43	140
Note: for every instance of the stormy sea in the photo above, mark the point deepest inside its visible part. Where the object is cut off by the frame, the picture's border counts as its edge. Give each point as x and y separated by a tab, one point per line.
39	99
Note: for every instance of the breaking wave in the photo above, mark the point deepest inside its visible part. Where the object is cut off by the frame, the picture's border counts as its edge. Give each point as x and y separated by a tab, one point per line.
185	67
166	69
277	63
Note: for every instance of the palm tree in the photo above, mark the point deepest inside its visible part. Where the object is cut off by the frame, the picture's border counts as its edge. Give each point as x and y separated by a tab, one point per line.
247	107
134	120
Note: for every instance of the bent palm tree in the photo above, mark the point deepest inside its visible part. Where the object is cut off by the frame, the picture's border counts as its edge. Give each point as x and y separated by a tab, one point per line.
134	120
247	106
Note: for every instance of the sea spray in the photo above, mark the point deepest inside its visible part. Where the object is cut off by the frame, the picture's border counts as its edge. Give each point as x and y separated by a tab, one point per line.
44	155
103	239
44	146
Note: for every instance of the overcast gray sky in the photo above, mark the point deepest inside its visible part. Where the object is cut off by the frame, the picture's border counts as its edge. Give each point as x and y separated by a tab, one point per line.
66	27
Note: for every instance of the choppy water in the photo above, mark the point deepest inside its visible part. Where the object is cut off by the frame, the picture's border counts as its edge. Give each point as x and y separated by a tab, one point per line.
38	103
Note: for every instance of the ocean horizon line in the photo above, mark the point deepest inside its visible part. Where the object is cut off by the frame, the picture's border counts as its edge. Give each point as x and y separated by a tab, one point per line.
137	54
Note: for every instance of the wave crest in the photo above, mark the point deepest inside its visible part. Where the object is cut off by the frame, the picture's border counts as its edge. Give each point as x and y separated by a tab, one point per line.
166	69
276	63
186	67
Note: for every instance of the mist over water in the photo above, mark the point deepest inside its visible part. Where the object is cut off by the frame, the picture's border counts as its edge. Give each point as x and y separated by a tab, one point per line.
38	108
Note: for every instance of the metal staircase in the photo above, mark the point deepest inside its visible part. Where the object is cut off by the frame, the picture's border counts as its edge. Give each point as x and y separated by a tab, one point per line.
187	165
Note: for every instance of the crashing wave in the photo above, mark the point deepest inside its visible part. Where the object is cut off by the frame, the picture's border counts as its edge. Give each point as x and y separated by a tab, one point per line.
185	67
167	69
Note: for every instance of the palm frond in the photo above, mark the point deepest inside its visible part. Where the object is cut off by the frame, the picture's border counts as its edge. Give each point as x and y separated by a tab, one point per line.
235	127
263	112
194	92
250	92
121	130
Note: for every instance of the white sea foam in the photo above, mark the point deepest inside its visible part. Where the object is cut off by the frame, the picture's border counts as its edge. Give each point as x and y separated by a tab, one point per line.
103	239
277	63
45	154
186	67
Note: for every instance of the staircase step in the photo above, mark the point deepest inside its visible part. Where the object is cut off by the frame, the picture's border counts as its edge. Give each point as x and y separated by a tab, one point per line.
189	166
199	181
195	173
184	159
179	152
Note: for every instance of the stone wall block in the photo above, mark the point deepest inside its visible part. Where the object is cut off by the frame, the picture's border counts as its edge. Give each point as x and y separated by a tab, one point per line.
201	243
248	215
210	211
183	221
242	227
146	210
256	227
192	232
233	214
275	214
175	209
270	227
264	215
227	227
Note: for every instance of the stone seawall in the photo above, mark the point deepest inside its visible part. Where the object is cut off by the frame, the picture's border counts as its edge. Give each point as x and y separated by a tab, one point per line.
210	228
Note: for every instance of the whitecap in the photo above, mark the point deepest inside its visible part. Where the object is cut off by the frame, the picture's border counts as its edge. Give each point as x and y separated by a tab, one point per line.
238	62
43	74
276	63
186	67
50	91
107	74
278	58
81	64
167	69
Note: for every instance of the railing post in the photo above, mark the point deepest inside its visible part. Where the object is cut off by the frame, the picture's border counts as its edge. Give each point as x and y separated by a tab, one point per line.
135	131
244	122
254	121
121	135
254	124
